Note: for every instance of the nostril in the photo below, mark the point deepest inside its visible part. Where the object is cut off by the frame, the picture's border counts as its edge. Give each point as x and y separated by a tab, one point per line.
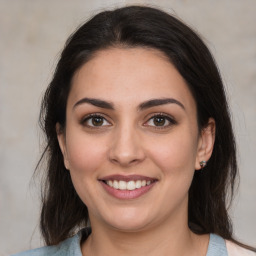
125	161
126	149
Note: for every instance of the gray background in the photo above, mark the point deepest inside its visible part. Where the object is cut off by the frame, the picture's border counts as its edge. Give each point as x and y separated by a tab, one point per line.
32	33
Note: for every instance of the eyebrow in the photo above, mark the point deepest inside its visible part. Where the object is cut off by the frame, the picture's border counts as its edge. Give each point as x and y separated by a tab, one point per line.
95	102
158	102
144	105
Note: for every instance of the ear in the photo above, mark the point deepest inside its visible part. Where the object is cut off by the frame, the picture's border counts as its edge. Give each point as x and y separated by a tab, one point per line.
205	143
62	144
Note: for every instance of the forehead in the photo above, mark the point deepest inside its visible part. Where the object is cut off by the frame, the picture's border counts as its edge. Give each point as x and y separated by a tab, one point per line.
128	75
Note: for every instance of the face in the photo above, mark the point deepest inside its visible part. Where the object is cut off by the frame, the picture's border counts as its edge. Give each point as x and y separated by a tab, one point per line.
131	141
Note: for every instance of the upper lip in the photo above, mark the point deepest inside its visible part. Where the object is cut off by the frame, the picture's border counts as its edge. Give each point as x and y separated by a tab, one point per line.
127	178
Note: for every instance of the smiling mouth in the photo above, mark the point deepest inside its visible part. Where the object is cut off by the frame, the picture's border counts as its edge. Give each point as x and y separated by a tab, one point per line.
128	185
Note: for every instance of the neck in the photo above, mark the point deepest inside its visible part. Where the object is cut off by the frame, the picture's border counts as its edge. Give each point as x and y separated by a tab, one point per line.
175	239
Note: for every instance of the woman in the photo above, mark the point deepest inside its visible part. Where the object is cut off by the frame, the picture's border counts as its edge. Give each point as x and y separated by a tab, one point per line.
140	148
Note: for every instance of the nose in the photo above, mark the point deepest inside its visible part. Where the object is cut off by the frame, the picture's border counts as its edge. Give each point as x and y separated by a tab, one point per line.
126	148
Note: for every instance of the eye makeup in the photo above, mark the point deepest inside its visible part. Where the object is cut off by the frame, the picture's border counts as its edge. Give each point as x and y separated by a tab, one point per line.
160	121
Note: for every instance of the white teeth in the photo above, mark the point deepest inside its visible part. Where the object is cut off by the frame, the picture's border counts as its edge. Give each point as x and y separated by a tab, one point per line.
130	185
110	183
115	184
138	184
143	183
122	185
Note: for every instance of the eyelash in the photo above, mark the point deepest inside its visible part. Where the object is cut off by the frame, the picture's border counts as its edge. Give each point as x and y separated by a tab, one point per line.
166	117
90	117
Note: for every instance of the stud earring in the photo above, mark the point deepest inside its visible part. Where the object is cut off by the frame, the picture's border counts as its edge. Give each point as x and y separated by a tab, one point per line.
202	164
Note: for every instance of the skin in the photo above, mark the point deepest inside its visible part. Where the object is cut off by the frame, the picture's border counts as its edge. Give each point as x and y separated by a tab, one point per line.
129	141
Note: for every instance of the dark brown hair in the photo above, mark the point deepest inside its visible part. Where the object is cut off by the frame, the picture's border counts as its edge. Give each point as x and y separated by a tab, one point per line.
137	26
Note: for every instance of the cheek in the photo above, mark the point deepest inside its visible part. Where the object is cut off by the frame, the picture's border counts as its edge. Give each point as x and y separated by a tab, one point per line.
86	156
175	153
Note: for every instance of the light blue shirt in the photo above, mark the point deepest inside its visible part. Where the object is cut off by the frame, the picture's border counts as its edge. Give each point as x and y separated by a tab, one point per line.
71	247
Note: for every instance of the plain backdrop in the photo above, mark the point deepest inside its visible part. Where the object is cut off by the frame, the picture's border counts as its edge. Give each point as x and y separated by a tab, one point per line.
32	34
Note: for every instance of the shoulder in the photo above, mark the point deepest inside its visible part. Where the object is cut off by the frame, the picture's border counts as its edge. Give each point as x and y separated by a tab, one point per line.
218	246
70	246
236	250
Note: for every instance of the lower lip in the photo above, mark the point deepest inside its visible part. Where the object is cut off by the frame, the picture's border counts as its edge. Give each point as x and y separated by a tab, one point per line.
127	194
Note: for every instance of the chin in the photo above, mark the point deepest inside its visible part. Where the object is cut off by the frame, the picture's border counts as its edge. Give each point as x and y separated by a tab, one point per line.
129	222
129	227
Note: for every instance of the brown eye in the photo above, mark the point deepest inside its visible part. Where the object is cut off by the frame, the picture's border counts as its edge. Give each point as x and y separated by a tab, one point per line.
95	121
160	121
